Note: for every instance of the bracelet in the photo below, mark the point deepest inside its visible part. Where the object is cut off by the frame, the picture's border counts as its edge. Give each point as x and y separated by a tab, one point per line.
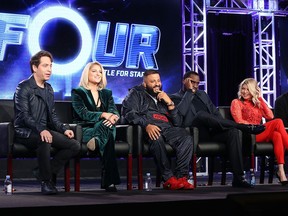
171	104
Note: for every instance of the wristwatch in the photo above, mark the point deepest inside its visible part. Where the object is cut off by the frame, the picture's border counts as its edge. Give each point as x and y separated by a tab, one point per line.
171	104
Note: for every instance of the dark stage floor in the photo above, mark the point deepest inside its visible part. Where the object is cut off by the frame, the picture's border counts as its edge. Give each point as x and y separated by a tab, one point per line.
222	199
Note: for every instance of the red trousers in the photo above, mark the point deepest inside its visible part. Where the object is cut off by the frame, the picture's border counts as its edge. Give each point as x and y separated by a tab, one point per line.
275	132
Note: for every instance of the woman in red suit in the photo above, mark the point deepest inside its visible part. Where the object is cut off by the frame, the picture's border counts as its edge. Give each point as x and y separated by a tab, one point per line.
250	108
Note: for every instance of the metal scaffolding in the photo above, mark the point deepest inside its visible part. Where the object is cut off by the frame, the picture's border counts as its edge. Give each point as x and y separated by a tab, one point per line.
265	56
194	38
194	44
194	14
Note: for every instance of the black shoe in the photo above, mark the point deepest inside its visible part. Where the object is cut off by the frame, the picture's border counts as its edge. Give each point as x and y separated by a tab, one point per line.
241	184
111	188
36	174
283	183
252	129
47	188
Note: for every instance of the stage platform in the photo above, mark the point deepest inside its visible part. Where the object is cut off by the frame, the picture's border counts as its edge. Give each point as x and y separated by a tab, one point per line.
216	199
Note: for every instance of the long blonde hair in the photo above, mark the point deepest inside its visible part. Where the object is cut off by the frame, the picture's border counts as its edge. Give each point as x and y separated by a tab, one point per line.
84	76
253	89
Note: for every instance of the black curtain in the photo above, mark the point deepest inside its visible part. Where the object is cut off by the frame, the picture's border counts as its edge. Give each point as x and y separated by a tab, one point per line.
281	35
229	55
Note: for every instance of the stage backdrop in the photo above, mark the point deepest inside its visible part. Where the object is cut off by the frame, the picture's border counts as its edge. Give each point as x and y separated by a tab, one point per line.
283	55
229	55
127	37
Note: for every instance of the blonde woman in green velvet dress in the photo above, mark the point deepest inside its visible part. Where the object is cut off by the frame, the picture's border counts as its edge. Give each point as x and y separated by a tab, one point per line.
95	110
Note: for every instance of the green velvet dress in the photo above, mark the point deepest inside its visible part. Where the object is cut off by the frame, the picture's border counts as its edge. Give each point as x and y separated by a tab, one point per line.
87	114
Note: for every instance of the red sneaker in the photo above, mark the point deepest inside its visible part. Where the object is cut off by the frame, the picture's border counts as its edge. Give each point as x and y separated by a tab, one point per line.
187	185
173	184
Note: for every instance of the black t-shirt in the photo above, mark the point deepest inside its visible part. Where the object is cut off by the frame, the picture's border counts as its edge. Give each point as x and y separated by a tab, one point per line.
43	92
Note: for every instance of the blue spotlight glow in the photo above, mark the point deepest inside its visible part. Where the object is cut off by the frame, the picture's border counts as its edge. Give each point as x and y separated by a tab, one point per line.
71	16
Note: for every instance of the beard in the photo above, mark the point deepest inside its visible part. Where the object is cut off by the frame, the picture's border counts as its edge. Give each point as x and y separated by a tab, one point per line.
151	91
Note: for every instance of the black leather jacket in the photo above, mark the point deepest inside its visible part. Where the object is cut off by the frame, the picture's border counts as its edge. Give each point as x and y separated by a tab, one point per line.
28	107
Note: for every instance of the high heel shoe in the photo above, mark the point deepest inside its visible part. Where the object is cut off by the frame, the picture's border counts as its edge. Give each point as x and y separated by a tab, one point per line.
283	183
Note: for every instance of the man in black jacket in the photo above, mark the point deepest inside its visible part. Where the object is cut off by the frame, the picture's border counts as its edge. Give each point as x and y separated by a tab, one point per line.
281	111
37	125
281	108
151	108
197	110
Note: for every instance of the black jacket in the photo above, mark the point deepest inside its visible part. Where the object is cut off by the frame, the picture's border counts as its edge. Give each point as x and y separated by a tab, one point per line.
184	103
281	108
28	107
139	108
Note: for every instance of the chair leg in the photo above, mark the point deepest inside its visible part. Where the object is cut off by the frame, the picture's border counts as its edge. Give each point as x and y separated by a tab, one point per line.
67	177
252	161
194	169
129	172
262	169
210	170
77	174
10	166
140	172
271	169
223	175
